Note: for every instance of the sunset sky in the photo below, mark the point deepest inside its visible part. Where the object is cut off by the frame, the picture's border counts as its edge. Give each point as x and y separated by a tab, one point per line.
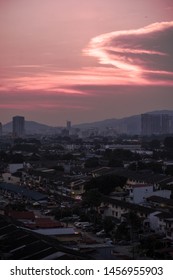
84	60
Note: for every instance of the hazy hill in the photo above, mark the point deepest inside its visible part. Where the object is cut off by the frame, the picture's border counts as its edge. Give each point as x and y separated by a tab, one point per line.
32	127
129	125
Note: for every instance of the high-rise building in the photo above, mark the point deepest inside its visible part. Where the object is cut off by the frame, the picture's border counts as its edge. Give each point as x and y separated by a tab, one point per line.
156	124
171	124
165	123
18	126
0	129
150	124
68	125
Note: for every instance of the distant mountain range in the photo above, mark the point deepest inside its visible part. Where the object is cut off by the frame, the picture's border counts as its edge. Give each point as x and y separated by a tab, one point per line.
32	127
129	125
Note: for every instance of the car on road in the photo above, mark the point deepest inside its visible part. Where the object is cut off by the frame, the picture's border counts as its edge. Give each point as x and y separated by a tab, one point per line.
81	224
108	241
87	227
123	243
101	233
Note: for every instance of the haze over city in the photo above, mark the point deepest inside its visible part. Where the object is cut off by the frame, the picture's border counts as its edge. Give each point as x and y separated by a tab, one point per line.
85	60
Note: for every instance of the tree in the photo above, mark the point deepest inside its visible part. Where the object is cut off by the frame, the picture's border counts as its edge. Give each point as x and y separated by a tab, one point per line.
121	232
108	224
106	184
58	168
168	143
17	158
120	155
150	244
154	144
92	198
92	162
134	221
68	156
115	163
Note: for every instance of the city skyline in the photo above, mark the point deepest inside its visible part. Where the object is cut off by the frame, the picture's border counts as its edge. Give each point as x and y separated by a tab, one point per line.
149	123
85	61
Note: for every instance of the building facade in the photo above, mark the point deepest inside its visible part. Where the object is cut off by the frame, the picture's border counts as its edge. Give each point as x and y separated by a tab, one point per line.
156	124
0	129
18	126
68	125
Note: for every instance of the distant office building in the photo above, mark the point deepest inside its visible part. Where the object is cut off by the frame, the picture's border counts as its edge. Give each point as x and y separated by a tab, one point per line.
68	126
150	124
156	124
18	126
171	124
0	129
65	132
165	124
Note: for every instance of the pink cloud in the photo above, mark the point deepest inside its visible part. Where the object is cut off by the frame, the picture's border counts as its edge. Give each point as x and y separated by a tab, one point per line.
147	50
40	105
142	56
15	106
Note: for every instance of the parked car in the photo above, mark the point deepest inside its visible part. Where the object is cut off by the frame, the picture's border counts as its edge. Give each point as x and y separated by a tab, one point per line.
81	224
97	228
75	218
87	227
124	243
101	233
108	241
77	224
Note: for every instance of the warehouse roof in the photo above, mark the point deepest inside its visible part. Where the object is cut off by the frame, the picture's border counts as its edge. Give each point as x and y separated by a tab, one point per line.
22	191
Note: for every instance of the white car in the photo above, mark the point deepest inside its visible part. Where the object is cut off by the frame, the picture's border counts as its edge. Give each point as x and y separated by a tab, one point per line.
101	233
81	224
108	241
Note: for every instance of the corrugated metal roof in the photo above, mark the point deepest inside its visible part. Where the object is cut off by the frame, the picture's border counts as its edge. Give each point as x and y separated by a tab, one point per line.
56	231
23	191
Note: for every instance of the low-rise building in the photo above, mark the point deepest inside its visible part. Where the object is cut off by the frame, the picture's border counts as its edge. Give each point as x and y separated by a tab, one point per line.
138	192
117	208
169	228
61	234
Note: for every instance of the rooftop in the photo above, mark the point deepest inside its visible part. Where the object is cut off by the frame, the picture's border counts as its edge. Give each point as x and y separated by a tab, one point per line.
22	191
127	205
56	231
21	244
161	200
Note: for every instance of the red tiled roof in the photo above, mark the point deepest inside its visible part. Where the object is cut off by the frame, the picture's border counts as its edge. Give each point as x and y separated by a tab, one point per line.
47	223
22	215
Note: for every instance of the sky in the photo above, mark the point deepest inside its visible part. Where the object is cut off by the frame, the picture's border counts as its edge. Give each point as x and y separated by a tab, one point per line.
85	61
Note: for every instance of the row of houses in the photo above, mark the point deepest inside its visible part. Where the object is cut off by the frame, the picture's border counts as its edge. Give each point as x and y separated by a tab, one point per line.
159	221
18	243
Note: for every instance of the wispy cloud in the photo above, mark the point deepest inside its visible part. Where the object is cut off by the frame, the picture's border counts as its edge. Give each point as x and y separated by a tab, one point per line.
141	57
27	66
143	51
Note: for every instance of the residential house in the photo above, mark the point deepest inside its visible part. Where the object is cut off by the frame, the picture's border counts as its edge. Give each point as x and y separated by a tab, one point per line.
169	228
117	208
61	234
160	202
162	223
138	192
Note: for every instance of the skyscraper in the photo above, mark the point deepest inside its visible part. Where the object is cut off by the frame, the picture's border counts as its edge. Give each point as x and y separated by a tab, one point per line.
156	124
165	122
150	124
18	126
68	126
0	129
